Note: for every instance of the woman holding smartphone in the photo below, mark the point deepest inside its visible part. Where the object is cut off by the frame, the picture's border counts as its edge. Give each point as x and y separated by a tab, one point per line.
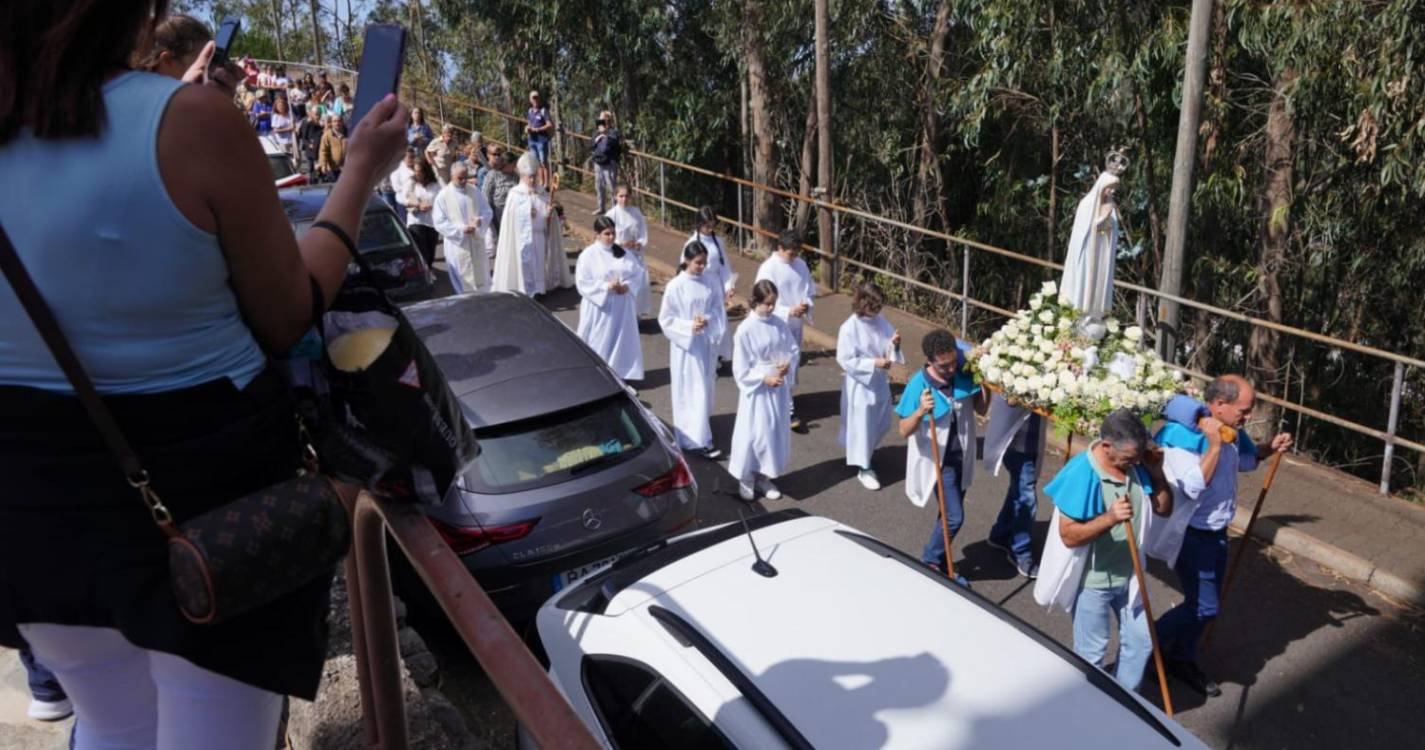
199	283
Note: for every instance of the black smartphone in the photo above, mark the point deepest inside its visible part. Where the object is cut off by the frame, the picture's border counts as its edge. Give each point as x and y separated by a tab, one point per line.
382	55
227	33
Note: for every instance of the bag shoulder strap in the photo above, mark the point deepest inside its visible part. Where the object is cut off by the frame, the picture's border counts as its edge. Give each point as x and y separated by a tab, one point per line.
44	320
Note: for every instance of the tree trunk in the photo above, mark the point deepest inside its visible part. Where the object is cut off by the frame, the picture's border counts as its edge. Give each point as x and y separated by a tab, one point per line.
827	272
1264	346
1216	86
277	28
806	170
764	204
928	194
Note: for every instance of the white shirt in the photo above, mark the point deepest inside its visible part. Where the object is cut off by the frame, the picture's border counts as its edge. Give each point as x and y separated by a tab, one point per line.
1214	503
416	192
400	180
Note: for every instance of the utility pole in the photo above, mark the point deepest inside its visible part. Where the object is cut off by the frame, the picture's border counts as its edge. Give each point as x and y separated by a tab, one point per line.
316	33
277	27
825	182
1184	159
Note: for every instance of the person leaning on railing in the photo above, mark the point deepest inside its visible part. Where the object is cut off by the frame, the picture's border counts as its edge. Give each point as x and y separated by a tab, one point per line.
175	276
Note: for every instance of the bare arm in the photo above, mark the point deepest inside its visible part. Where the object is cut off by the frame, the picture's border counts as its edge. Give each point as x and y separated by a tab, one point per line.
908	425
218	178
1078	533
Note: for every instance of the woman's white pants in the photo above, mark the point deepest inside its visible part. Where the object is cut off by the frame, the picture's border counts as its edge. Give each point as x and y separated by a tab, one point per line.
127	698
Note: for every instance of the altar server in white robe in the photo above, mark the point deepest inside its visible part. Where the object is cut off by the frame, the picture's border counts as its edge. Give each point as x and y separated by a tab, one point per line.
524	234
631	233
719	269
462	217
866	347
762	352
795	293
693	332
608	279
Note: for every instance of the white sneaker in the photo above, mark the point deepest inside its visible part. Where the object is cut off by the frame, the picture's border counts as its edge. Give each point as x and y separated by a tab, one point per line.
50	710
770	490
746	492
868	479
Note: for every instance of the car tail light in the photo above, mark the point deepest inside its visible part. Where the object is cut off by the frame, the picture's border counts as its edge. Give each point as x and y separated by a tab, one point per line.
677	478
466	539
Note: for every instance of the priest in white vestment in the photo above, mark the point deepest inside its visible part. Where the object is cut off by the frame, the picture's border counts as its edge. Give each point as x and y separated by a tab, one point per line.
608	279
462	216
693	332
866	347
525	235
1088	267
631	233
762	352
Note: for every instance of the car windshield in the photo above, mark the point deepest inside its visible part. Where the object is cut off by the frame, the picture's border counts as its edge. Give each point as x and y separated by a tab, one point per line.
380	230
281	166
555	447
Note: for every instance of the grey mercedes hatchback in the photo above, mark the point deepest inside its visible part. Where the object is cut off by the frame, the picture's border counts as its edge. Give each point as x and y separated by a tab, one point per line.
573	471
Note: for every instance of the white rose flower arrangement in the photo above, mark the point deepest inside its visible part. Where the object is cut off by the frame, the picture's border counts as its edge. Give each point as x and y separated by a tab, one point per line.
1040	361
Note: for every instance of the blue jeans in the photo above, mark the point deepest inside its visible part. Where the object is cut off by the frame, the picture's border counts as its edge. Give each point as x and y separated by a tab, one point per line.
1091	613
934	551
1201	565
44	686
1021	502
540	148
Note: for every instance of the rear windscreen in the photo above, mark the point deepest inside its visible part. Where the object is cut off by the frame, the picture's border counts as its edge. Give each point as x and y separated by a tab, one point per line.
281	166
555	447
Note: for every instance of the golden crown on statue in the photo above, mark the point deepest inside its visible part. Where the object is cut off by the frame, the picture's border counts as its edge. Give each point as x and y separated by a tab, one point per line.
1117	161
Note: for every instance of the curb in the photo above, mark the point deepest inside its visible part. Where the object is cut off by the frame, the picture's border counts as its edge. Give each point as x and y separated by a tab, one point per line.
1348	564
1267	531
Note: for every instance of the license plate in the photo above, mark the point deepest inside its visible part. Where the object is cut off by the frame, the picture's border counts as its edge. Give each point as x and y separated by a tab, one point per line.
569	577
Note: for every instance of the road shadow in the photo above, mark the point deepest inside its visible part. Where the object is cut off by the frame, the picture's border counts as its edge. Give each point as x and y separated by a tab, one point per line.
809	481
652	379
560	300
819	405
1252	632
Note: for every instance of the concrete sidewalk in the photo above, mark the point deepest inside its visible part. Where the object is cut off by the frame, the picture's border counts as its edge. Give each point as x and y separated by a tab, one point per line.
1312	511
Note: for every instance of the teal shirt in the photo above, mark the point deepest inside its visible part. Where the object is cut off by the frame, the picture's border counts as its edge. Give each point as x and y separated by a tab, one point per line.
1110	564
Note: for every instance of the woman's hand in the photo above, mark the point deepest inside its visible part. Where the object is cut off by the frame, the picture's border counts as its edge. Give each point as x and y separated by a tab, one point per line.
773	381
699	324
378	140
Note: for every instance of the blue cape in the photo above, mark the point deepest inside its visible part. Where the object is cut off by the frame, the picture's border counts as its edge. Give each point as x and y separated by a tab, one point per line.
1180	430
963	385
1077	490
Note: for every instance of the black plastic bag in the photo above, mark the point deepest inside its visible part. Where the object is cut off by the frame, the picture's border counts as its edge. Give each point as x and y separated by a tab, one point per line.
393	425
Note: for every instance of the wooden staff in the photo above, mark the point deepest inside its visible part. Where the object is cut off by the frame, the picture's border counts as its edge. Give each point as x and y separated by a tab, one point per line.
940	490
1241	548
1148	614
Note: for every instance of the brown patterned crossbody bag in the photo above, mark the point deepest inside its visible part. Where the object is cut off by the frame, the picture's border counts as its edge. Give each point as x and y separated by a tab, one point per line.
231	559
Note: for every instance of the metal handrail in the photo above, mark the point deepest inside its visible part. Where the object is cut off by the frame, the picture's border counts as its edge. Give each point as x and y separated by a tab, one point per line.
1401	361
524	685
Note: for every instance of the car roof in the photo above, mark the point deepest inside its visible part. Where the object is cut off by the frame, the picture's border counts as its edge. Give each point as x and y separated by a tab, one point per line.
507	358
270	146
305	202
856	645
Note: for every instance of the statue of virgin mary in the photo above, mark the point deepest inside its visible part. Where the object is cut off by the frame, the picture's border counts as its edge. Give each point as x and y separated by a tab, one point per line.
1093	243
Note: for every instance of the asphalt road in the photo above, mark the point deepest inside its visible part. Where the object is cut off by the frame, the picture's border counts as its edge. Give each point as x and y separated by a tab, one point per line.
1306	658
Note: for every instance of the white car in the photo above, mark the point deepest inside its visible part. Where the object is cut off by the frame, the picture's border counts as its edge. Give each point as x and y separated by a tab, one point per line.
284	170
831	639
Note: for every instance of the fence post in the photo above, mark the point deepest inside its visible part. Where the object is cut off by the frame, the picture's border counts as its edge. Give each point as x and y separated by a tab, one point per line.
741	238
1390	426
662	196
835	250
965	294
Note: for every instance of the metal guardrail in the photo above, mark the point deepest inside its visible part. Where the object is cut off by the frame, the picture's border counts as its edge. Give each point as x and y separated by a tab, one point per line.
1388	436
537	704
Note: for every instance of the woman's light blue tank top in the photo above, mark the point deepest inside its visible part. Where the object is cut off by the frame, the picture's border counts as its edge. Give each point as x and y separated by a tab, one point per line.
140	292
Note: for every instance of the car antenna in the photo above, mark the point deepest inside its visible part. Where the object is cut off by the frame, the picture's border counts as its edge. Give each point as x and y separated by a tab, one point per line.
761	567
